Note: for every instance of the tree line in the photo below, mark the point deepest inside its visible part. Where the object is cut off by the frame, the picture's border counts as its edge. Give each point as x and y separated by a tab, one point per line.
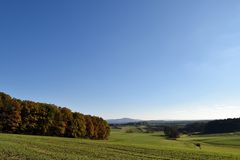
27	117
223	126
210	127
215	126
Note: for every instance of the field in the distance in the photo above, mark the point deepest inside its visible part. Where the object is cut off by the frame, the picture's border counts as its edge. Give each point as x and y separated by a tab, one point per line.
121	145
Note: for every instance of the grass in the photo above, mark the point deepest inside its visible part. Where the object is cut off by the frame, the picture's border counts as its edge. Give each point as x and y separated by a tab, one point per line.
120	146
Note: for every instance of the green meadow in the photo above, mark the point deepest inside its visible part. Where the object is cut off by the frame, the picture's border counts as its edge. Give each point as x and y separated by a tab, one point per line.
121	146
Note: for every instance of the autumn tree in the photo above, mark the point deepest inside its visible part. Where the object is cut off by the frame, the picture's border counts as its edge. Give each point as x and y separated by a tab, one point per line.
89	127
27	117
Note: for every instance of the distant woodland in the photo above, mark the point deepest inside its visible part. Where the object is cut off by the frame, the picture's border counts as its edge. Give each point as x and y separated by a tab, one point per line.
223	126
186	127
27	117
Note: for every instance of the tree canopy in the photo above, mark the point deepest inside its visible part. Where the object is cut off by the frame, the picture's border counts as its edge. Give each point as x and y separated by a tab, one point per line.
223	126
171	132
27	117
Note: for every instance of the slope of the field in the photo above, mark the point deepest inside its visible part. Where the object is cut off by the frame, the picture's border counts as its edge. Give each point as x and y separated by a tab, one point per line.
120	146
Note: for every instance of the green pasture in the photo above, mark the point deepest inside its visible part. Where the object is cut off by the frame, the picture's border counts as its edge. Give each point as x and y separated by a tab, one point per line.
121	146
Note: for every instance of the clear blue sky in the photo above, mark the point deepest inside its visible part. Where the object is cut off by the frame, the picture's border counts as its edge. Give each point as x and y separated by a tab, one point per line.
146	59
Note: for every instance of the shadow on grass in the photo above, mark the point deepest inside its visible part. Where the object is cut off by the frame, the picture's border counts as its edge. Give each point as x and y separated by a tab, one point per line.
158	135
163	136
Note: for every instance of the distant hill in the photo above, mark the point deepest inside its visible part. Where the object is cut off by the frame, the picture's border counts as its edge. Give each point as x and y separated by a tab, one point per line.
173	122
122	121
130	121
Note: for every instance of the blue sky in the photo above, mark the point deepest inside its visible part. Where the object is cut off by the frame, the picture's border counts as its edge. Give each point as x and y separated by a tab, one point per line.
158	59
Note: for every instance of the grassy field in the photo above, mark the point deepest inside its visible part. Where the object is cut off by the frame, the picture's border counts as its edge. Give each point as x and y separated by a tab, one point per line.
121	145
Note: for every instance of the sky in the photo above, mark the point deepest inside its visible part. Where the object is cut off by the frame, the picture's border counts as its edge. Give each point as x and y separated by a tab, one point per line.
143	59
